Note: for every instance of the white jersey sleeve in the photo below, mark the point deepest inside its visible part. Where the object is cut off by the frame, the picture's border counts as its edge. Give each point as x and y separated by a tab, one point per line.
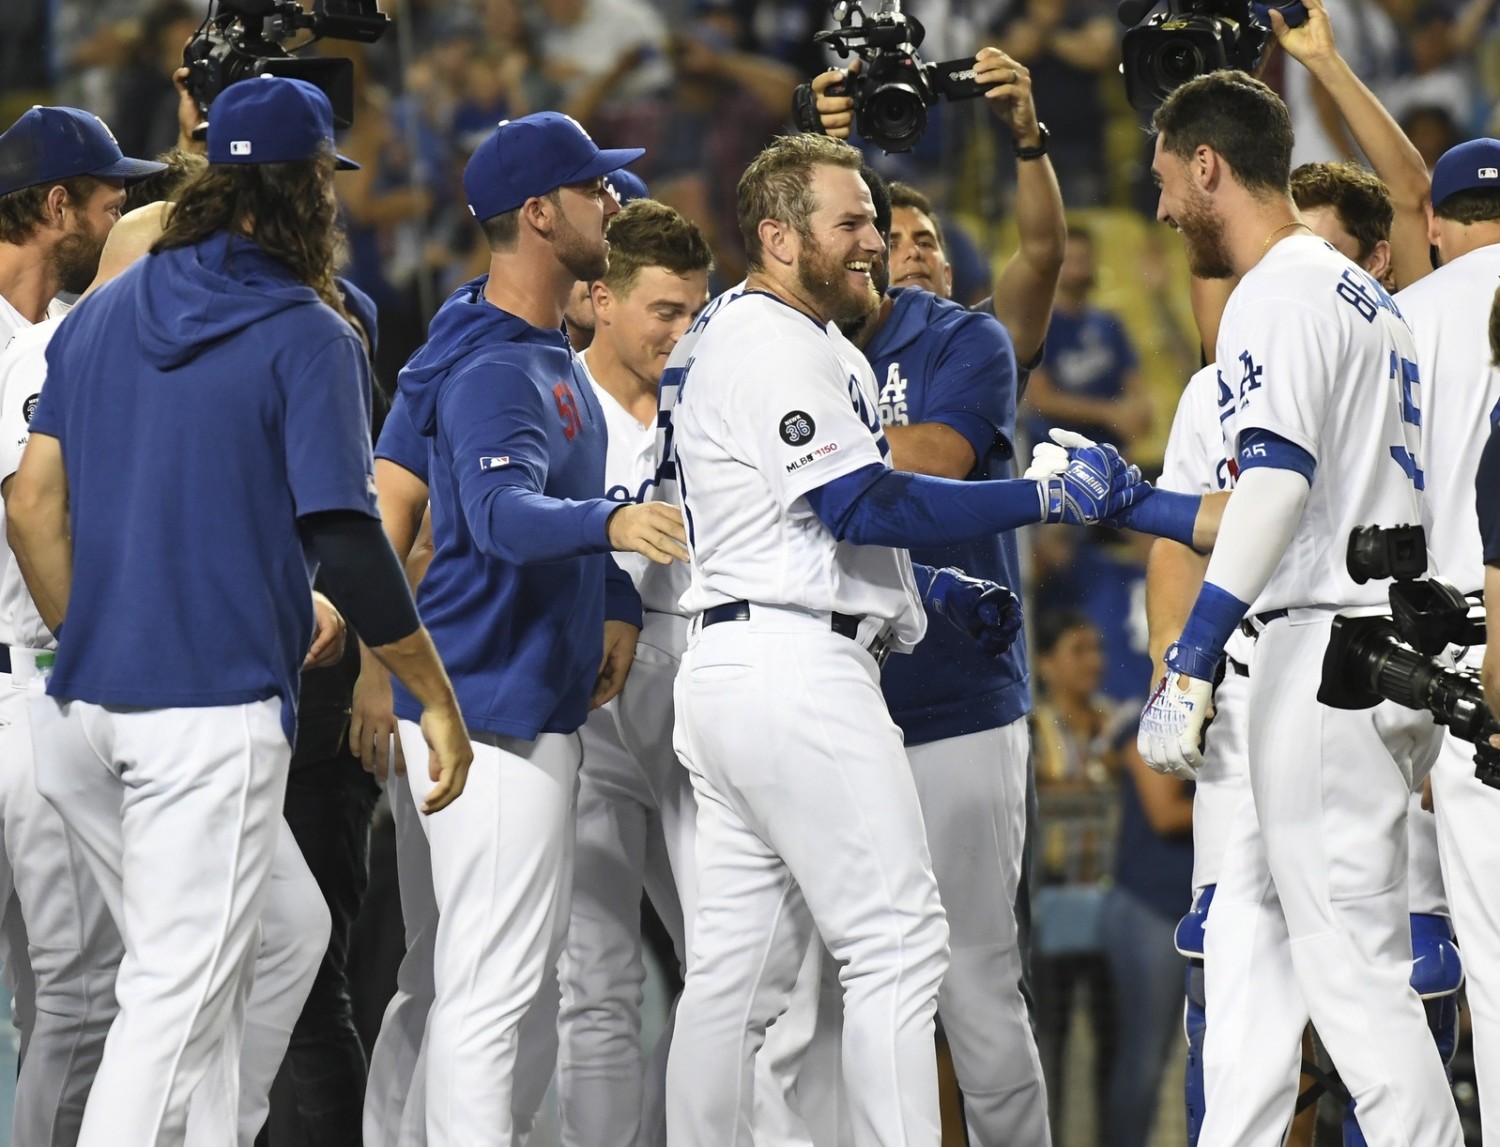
1449	311
23	370
630	463
1194	461
772	406
1312	349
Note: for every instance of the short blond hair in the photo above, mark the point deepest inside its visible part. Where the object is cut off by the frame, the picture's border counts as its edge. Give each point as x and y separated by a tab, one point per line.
778	185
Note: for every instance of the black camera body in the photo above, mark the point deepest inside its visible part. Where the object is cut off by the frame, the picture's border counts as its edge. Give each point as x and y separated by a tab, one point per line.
1193	38
1394	657
894	89
245	38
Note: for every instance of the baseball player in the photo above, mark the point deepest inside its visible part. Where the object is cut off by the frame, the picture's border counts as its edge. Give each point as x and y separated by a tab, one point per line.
631	833
807	815
1319	414
521	543
1448	312
164	749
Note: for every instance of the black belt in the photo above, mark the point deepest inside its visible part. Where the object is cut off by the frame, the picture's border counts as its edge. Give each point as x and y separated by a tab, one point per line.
844	624
1252	626
1235	668
4	658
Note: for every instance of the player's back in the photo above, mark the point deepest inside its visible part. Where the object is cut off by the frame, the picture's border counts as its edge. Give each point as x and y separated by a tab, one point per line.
770	407
1449	311
1313	350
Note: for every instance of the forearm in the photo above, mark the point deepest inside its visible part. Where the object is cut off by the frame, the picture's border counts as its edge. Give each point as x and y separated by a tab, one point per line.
1392	155
1174	575
523	527
770	82
930	448
1026	286
904	510
44	552
413	660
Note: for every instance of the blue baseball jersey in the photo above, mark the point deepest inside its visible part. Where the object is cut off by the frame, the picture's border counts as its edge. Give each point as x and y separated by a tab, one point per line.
205	400
515	597
934	361
1087	355
400	442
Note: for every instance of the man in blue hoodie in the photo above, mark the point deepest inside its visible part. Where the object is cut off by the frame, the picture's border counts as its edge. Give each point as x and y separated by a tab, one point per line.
201	446
531	615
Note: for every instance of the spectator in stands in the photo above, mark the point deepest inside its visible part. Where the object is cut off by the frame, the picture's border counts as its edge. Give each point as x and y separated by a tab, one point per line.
1431	131
146	101
1369	39
1089	380
583	41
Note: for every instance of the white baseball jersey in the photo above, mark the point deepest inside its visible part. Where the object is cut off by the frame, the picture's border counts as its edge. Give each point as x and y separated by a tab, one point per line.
1311	348
23	369
630	462
773	405
1449	313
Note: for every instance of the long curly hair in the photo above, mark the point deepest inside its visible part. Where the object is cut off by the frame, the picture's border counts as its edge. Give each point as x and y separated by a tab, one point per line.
287	209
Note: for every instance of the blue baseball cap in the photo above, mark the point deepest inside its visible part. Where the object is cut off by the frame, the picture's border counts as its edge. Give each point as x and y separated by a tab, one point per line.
626	186
531	156
51	143
1471	166
271	119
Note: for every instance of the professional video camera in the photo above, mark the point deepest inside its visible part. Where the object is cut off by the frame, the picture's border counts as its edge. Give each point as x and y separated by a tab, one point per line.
894	89
1394	657
1192	38
244	38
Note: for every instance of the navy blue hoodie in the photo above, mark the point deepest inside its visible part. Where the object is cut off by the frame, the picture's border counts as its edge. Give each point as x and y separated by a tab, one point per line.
937	362
204	400
515	595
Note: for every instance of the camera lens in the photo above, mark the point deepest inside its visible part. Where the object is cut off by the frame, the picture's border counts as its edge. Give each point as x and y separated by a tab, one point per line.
1178	61
893	118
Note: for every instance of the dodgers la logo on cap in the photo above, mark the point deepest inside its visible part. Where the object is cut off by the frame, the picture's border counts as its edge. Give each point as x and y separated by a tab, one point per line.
531	156
48	144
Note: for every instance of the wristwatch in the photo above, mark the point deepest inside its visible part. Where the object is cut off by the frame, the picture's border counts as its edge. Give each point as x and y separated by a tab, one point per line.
1034	152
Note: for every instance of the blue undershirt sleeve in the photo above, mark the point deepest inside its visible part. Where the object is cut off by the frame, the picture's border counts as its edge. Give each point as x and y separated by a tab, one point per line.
874	506
621	600
1487	496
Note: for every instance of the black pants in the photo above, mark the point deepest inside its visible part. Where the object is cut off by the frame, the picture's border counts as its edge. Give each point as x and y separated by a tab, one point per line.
318	1098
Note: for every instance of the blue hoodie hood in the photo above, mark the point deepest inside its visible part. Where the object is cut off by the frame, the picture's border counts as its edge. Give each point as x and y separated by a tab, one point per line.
190	298
466	323
913	311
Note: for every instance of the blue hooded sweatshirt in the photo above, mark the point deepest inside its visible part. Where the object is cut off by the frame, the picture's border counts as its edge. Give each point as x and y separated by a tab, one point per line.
205	400
935	361
515	597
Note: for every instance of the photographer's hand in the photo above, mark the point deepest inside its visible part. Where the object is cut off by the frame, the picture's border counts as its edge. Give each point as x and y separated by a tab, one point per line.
1010	99
188	115
1311	42
835	112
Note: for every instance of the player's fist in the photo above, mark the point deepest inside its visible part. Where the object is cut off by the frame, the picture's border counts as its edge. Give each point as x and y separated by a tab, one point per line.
651	528
1096	483
985	610
1171	732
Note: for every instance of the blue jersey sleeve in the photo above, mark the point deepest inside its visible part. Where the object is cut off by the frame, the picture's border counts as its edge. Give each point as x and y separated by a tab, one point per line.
401	442
972	387
494	421
1487	489
326	431
622	601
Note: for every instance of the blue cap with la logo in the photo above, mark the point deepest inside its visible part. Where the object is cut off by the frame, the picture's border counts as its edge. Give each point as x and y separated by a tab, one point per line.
530	156
48	144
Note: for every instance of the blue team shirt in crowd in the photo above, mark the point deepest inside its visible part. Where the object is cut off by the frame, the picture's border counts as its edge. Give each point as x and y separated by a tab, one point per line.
1088	355
515	597
1110	589
205	400
938	362
1157	870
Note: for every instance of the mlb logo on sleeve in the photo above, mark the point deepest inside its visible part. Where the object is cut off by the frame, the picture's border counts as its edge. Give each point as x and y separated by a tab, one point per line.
239	147
495	462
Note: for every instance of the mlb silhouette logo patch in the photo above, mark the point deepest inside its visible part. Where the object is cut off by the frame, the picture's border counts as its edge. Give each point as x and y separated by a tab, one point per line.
239	147
1489	173
494	463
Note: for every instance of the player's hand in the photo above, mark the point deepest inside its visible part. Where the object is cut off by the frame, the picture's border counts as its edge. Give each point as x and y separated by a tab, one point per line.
1172	724
619	655
835	111
1010	99
450	755
189	116
651	528
372	722
329	633
1097	484
985	610
1303	30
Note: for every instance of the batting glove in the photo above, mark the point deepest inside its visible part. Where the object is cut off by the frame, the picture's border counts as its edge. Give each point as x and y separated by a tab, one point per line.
1171	732
985	610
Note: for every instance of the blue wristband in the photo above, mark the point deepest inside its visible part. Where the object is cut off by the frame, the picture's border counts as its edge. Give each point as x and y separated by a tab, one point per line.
1214	616
1163	513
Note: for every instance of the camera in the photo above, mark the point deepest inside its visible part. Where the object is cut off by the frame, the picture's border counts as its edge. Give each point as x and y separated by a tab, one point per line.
894	89
1394	657
244	38
1192	38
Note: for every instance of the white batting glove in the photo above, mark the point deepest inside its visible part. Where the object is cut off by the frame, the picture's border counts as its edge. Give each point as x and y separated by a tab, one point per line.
1172	725
1049	459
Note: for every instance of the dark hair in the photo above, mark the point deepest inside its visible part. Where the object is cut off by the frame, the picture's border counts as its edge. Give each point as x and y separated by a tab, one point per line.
284	208
651	234
23	211
1356	194
502	232
880	195
1240	118
181	166
1053	624
1477	205
905	195
1495	329
778	185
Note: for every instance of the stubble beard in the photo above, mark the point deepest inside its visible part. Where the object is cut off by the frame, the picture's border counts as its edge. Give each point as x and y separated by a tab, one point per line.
585	261
1203	236
820	277
75	260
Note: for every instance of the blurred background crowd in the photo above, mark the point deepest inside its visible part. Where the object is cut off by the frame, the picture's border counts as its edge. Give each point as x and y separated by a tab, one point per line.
702	84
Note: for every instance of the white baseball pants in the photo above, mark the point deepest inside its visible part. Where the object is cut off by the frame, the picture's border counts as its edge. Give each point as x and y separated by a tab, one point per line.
808	819
501	868
177	812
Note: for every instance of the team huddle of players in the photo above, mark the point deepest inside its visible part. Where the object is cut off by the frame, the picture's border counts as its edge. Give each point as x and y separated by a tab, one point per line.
719	592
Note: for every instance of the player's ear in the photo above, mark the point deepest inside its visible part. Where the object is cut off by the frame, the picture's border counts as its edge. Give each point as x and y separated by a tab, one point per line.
539	213
1206	167
778	242
1379	262
1432	224
602	296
